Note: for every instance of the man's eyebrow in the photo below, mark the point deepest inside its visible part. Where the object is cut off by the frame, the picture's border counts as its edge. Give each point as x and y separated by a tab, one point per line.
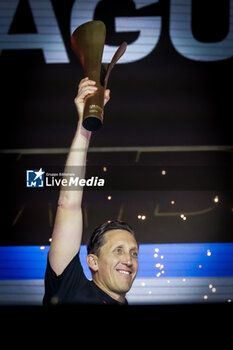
121	245
134	247
114	246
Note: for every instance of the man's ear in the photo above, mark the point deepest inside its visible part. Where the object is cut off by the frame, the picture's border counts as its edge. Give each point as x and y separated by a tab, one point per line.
92	261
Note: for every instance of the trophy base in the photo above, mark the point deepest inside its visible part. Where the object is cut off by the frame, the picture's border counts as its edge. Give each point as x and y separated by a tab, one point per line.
92	123
93	110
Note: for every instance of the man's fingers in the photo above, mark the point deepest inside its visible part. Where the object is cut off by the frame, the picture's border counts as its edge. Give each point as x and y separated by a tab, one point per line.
83	80
86	82
92	89
106	96
87	87
86	91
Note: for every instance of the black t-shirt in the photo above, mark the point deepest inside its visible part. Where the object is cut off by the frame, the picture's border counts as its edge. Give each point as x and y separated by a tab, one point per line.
72	287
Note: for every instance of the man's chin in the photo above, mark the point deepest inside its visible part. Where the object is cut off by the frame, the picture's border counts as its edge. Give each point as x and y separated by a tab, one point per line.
124	288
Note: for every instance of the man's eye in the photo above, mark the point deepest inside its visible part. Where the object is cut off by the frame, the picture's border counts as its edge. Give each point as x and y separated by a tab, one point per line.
118	250
135	254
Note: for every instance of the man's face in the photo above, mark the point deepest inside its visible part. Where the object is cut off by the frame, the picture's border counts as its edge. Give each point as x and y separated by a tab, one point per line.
117	263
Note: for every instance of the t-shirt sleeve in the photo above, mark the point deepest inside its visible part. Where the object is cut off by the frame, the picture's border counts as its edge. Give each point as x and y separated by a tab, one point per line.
59	289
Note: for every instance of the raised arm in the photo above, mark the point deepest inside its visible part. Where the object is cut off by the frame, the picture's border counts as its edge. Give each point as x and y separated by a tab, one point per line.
68	227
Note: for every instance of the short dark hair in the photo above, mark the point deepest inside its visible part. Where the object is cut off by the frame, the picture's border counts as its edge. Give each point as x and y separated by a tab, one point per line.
96	240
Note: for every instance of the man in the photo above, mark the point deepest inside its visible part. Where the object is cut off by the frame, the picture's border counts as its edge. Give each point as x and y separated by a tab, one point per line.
112	249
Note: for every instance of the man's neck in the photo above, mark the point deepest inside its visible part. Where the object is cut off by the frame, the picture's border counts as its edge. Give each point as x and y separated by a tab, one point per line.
118	297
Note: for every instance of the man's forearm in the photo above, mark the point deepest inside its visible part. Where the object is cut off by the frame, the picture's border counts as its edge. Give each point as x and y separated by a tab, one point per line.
79	147
76	164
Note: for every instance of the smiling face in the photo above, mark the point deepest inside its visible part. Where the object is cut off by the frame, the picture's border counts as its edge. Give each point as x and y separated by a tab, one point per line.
114	270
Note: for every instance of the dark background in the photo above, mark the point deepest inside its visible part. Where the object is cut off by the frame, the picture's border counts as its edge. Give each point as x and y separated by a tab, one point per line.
164	99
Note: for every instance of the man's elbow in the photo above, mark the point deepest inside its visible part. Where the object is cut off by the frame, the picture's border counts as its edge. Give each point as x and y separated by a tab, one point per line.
69	201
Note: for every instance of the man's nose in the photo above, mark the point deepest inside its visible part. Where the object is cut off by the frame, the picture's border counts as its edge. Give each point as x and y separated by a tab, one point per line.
127	259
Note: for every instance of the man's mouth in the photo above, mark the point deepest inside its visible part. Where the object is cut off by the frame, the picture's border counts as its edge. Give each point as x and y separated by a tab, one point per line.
124	272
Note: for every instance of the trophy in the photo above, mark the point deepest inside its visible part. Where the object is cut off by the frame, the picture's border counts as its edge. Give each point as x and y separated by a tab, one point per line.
87	42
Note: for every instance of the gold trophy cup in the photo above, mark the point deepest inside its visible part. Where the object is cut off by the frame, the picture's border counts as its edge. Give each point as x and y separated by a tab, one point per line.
87	42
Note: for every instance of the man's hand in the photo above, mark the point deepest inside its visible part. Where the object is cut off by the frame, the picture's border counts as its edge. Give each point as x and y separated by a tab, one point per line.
87	87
